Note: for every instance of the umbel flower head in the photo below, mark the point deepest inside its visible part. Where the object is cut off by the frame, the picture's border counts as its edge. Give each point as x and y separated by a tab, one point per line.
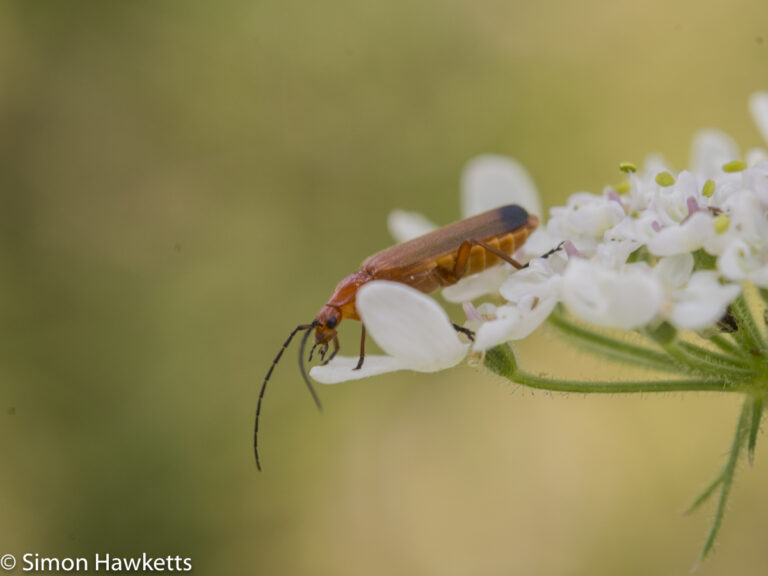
661	246
678	256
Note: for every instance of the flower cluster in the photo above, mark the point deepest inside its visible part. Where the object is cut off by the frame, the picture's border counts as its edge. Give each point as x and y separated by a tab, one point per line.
659	247
664	253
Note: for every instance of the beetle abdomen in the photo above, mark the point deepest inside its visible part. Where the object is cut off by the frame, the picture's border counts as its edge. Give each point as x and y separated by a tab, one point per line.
481	259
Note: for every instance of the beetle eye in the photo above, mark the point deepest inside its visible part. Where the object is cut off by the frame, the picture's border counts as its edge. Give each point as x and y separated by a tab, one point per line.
331	322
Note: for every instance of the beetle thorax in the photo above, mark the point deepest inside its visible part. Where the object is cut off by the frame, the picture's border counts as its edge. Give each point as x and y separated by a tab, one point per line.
343	297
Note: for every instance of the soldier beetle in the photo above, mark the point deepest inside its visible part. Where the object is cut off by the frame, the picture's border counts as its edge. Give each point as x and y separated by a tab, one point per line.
435	260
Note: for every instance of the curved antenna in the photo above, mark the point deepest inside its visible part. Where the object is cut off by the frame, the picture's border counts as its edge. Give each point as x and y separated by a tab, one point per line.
308	328
303	367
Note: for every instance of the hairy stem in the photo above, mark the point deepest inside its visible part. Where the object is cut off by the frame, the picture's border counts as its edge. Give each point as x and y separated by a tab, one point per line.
611	347
754	428
725	479
501	360
749	332
727	346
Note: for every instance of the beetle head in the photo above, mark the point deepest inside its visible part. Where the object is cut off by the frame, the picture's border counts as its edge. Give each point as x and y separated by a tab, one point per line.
325	324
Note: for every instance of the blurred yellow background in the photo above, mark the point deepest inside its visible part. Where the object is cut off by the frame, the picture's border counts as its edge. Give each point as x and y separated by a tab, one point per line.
184	182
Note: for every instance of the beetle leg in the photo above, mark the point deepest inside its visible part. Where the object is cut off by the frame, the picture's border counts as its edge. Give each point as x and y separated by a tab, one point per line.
548	254
335	350
462	256
362	350
466	331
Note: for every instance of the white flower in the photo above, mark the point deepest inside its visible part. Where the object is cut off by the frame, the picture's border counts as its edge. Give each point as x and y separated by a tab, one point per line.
674	271
673	204
739	262
626	298
694	300
701	302
409	326
626	237
514	322
585	219
532	294
688	236
756	179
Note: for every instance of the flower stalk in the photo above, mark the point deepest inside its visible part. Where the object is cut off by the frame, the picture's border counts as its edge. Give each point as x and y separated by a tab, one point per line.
739	368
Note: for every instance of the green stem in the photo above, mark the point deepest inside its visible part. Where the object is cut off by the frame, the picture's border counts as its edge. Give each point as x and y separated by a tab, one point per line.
727	346
501	360
704	496
613	348
735	361
754	428
714	363
749	331
726	476
697	363
764	295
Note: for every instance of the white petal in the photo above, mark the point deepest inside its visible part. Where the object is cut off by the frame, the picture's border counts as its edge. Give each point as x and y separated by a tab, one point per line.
736	261
597	294
404	226
485	312
710	150
478	285
756	179
758	105
341	368
674	271
702	302
585	219
672	204
494	332
410	326
539	280
615	254
514	323
490	181
626	237
686	237
537	244
756	155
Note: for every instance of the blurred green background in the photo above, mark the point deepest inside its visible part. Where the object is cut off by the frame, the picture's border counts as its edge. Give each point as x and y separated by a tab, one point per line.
184	182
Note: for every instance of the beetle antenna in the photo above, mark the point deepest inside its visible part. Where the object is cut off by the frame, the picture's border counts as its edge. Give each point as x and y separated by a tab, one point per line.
303	367
308	328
